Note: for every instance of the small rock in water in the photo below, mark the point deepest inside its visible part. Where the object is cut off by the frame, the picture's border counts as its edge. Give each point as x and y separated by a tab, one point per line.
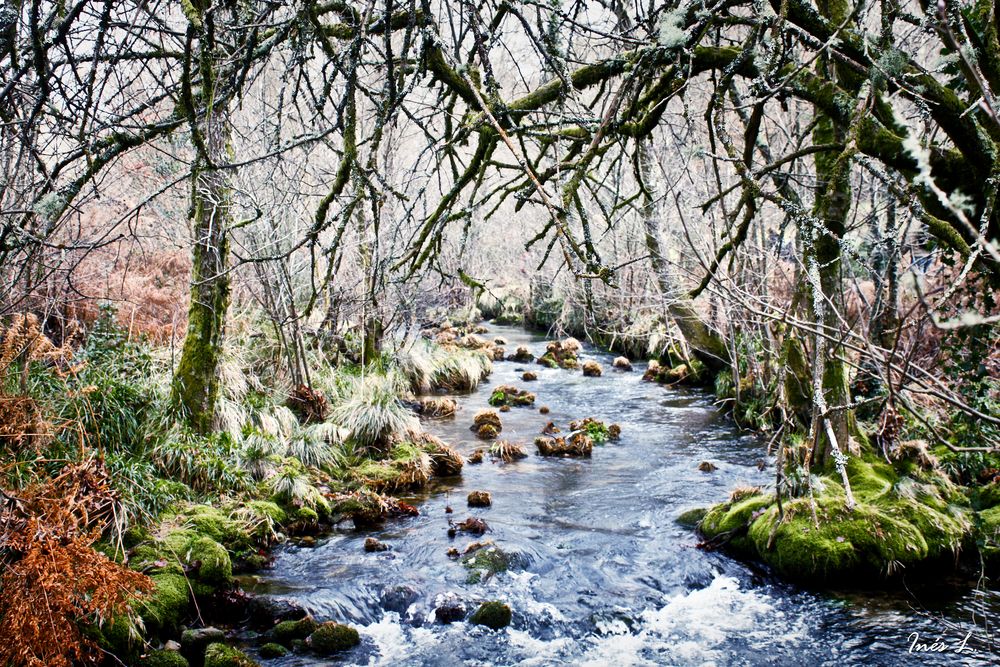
473	525
266	612
477	457
480	499
373	545
193	642
592	369
544	410
529	376
448	509
504	408
521	354
707	466
499	340
622	364
399	598
449	609
307	541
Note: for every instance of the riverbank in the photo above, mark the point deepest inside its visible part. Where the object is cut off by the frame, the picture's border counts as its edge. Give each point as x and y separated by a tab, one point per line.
552	524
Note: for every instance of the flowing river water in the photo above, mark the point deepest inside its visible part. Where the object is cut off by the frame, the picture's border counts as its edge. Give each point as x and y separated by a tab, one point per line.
606	576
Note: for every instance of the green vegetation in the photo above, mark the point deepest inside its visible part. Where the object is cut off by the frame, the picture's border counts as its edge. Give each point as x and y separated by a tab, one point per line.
331	638
493	614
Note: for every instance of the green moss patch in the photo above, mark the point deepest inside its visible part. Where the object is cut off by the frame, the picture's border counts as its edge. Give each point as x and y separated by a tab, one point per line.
220	655
493	614
331	638
167	605
286	632
163	658
897	522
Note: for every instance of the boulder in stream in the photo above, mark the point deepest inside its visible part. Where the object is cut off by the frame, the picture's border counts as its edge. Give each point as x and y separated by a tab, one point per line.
449	608
398	598
486	424
493	614
221	655
592	369
287	632
272	650
622	364
195	641
330	638
374	545
521	355
480	499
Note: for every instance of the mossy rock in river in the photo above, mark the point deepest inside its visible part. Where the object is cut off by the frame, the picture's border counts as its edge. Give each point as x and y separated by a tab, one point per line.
898	521
286	632
483	560
273	650
988	534
330	638
509	395
164	658
691	518
220	655
493	614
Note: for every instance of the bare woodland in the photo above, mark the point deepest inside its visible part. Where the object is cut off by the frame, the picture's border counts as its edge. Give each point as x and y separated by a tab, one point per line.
790	204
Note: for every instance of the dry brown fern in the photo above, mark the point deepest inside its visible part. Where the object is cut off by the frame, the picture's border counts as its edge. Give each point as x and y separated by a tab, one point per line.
54	583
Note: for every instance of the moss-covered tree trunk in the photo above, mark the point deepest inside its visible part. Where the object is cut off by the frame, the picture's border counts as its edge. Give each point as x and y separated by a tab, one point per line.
195	385
833	422
706	343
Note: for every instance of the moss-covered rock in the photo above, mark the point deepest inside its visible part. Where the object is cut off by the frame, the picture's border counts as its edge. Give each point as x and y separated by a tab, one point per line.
286	632
898	521
167	605
331	638
408	467
213	563
509	395
163	658
988	537
493	614
691	518
221	655
216	524
273	650
986	496
483	560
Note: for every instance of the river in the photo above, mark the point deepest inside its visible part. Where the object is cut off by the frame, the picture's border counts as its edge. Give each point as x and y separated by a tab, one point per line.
606	575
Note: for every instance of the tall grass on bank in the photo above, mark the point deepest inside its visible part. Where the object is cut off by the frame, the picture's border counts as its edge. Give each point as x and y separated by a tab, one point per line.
428	366
372	412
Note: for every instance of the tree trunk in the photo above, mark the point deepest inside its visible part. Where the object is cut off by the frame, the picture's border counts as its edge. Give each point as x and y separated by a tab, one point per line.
834	424
196	382
706	344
